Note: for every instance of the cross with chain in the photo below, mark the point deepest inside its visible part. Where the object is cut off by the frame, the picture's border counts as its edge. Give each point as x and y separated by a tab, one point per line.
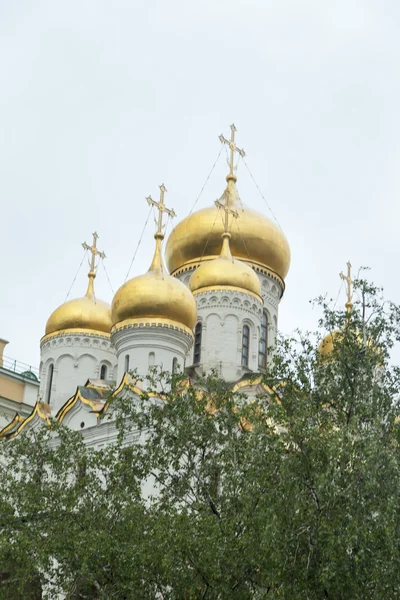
228	211
94	251
347	278
233	148
161	208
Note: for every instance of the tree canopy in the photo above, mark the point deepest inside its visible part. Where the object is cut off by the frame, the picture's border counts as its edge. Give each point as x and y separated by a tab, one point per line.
291	493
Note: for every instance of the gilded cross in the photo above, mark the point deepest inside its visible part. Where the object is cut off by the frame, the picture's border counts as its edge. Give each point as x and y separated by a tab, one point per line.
95	252
347	278
233	148
228	211
161	208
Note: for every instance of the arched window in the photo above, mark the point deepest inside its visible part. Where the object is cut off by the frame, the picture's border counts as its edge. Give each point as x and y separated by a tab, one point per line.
152	359
197	344
174	365
103	372
126	363
245	345
50	372
262	348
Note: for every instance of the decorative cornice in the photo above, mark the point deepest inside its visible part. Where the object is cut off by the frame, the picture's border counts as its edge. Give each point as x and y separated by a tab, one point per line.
252	382
41	409
257	267
267	296
72	332
95	405
228	288
12	425
149	323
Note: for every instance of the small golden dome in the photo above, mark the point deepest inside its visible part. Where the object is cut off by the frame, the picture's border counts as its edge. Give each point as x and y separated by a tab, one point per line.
257	240
154	295
329	342
85	313
224	271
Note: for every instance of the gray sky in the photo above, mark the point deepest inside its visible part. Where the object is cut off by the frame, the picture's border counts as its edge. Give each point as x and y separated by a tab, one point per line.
102	101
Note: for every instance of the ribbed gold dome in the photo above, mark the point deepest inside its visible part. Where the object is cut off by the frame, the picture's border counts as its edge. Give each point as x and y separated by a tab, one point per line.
87	313
153	296
224	271
256	239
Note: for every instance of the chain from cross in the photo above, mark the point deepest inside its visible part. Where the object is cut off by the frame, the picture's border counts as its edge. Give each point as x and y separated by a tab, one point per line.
95	252
233	148
161	208
347	278
228	211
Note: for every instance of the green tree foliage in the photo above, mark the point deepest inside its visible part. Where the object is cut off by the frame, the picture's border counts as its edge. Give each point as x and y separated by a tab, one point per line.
291	494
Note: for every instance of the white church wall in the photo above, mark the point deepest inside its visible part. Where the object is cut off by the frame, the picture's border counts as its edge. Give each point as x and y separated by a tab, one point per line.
74	358
271	292
80	417
140	348
223	314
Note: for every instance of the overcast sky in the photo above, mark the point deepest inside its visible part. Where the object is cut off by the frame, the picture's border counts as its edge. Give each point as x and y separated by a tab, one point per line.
101	101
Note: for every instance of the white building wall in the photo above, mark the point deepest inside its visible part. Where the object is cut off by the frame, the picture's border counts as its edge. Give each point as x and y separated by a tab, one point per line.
271	293
75	358
141	348
223	314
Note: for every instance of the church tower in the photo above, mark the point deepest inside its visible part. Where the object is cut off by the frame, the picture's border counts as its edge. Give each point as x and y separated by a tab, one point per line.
255	240
76	345
153	315
229	304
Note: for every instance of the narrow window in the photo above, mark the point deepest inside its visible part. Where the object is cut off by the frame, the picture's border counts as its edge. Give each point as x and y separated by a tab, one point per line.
197	344
152	359
245	346
49	383
174	365
262	349
126	363
103	372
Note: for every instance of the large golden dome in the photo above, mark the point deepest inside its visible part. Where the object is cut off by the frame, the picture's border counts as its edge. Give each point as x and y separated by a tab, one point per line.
256	239
81	314
154	297
225	272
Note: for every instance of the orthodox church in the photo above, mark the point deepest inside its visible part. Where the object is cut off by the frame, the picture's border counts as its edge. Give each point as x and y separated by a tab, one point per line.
208	302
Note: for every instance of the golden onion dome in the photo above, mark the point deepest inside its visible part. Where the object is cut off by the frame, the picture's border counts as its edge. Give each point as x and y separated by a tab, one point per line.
154	297
225	272
257	240
329	342
82	314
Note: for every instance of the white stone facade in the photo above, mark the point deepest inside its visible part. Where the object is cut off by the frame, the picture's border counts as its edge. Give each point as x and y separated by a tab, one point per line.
223	314
152	344
272	290
68	360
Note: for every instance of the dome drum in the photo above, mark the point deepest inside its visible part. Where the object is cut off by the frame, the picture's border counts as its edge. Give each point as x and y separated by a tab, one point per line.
151	323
